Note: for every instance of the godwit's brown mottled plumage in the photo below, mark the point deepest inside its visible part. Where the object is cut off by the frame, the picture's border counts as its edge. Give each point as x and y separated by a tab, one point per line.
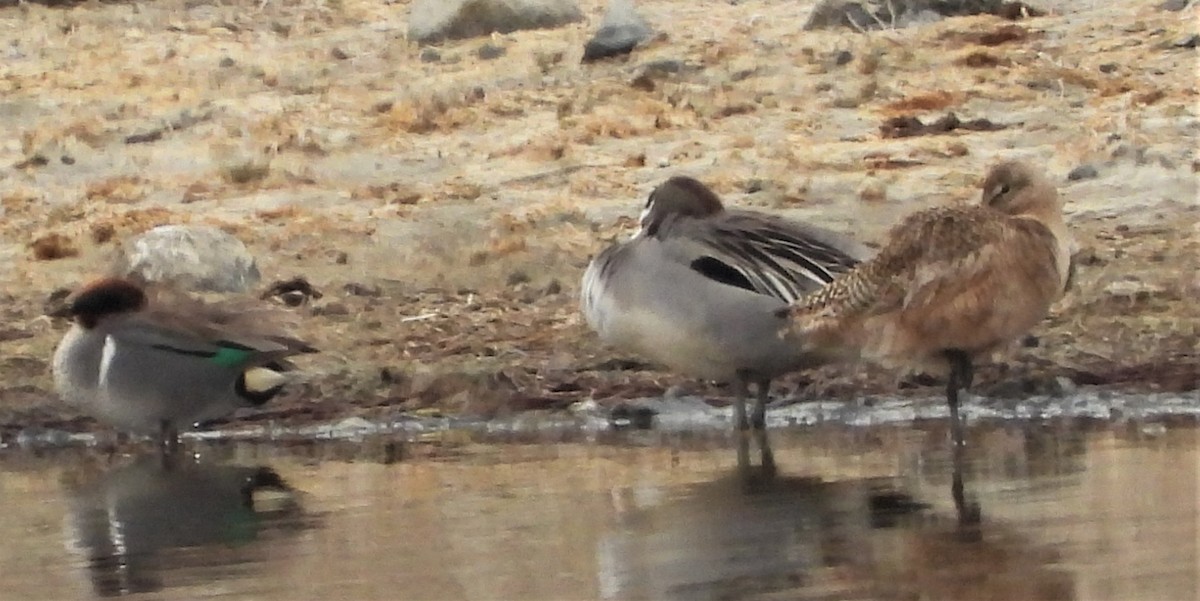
952	284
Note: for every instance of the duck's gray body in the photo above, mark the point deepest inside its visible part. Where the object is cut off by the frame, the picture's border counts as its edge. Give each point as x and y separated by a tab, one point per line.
699	292
115	373
158	367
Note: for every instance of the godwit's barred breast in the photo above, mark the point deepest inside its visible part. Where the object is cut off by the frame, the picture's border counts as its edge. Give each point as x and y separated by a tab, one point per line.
951	284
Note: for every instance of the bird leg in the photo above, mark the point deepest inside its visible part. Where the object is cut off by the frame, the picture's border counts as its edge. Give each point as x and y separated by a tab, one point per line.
758	417
740	384
168	438
961	375
743	453
767	458
970	514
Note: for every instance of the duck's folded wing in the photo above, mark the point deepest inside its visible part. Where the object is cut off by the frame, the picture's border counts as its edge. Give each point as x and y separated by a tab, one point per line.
224	348
775	257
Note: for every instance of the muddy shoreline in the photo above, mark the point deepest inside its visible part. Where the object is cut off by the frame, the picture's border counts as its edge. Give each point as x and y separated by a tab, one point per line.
447	222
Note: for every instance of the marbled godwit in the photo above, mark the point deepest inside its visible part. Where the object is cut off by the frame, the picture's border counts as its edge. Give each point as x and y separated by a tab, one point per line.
952	284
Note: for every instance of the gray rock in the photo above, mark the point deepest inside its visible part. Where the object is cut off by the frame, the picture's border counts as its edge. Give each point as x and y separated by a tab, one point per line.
620	32
1174	5
1188	41
432	21
666	66
878	14
647	74
198	258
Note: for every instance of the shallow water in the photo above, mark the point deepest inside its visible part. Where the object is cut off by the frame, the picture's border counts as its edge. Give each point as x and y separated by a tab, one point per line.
1059	509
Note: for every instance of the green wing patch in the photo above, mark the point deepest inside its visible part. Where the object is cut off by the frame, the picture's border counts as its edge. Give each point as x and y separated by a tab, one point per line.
230	354
231	357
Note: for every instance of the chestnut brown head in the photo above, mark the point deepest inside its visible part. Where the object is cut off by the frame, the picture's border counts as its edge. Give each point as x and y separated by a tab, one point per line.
102	298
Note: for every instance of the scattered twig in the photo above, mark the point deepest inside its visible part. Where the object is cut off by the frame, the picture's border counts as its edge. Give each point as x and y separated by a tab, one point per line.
855	24
421	317
877	20
529	179
184	120
907	126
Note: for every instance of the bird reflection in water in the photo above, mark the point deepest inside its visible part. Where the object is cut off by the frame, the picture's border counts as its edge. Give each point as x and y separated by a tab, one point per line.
758	532
145	525
766	469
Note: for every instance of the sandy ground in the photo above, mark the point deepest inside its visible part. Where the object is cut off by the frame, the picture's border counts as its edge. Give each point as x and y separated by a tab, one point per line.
446	209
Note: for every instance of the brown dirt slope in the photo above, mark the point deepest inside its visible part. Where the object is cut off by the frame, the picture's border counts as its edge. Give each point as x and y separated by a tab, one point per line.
446	205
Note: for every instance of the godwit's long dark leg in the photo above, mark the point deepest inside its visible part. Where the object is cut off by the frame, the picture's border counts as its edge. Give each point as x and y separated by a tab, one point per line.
961	375
970	514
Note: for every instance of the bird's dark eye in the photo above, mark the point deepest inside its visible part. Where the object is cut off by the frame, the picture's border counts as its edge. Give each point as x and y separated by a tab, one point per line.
1003	190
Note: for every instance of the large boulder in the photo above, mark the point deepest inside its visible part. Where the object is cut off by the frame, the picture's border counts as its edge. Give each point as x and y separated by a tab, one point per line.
432	21
198	258
620	32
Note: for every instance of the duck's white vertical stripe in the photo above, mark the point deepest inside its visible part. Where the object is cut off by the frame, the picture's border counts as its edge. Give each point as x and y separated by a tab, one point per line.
106	356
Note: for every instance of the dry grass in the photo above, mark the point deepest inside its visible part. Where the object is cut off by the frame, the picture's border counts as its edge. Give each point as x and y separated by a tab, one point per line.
928	101
53	246
124	189
246	171
375	169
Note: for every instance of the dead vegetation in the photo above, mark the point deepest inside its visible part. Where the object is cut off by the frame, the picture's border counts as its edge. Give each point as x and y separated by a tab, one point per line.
447	208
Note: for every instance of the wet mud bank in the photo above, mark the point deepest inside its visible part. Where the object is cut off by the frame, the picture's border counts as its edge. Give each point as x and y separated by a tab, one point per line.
447	222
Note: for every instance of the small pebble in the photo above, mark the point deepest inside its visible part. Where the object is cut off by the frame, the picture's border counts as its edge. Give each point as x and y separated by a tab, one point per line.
332	308
429	55
226	63
1082	172
1108	67
1153	430
357	289
1190	41
517	277
339	54
488	52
